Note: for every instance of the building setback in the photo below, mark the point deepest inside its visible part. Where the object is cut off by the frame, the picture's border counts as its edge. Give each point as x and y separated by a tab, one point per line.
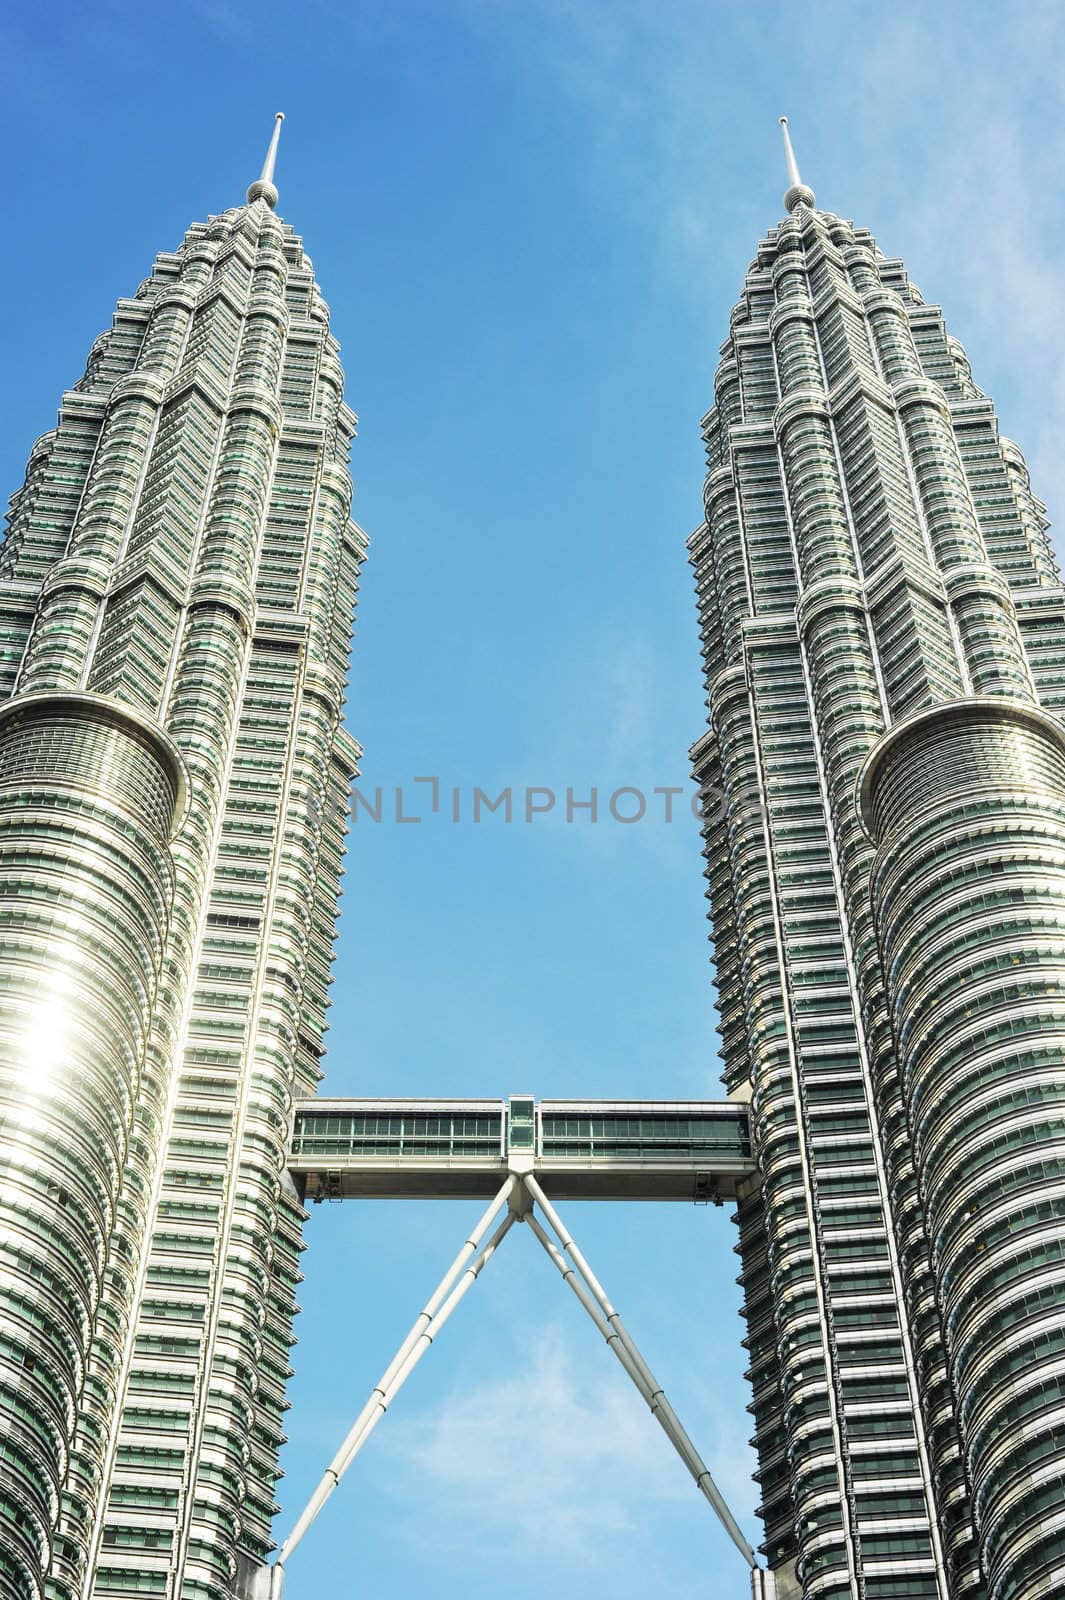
883	630
176	595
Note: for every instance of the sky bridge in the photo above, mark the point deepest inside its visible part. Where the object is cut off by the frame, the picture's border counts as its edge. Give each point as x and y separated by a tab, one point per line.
522	1156
462	1149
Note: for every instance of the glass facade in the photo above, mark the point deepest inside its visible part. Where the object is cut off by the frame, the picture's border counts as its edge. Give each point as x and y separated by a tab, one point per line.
389	1132
883	630
176	595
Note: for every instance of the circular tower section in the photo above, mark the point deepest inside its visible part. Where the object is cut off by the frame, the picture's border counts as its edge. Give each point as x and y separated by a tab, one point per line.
966	804
89	796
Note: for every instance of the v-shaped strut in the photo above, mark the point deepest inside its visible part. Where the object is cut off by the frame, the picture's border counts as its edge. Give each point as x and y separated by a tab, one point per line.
519	1193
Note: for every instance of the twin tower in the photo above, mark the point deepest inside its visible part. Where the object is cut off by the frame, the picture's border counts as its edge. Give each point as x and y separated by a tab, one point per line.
884	640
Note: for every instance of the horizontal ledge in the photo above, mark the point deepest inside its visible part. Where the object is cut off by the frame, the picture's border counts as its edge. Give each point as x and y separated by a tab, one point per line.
710	1178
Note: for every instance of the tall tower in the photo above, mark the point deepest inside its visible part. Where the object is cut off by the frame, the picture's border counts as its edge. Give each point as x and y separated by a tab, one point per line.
176	596
883	630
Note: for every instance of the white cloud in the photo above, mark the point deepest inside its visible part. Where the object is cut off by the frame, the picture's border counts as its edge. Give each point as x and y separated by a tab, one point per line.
940	127
980	218
557	1454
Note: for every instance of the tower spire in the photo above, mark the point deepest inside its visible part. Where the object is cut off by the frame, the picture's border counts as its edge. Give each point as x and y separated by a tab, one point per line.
799	193
264	188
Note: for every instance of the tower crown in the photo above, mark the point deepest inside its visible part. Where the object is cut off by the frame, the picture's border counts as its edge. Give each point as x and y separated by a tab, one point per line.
264	187
799	193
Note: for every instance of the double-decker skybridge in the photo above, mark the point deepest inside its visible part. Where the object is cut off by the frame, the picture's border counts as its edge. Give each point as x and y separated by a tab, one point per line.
522	1156
463	1149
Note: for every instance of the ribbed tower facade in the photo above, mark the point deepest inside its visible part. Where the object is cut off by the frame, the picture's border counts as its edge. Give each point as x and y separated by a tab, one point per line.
883	629
176	596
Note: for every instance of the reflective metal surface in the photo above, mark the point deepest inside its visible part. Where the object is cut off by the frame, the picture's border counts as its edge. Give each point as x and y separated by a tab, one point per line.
182	549
872	549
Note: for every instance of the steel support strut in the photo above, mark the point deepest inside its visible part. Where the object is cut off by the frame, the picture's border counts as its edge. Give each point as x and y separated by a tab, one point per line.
518	1192
427	1324
621	1342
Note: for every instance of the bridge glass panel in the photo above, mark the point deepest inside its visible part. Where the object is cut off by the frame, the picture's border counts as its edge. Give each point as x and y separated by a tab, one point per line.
410	1133
643	1137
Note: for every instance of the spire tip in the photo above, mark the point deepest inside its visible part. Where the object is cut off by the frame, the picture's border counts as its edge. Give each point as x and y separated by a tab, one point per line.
264	187
799	193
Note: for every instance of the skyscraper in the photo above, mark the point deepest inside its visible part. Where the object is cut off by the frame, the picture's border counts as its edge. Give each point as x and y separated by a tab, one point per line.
176	596
884	634
883	629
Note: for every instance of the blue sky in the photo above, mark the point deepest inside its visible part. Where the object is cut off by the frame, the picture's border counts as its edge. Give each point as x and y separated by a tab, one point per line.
530	218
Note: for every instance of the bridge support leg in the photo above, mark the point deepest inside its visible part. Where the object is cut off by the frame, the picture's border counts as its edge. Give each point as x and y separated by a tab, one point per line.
444	1300
592	1296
